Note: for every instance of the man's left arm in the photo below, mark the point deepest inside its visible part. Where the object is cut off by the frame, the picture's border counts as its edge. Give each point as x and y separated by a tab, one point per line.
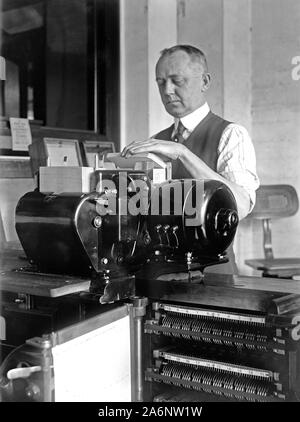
236	167
237	160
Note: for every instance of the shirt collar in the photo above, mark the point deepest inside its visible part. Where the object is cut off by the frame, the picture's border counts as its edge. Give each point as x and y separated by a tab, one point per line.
190	121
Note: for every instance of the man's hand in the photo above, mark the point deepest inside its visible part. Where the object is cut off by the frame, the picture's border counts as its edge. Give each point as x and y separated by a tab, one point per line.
197	168
171	150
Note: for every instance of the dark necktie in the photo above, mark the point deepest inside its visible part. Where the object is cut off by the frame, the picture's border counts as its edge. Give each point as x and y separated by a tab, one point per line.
178	135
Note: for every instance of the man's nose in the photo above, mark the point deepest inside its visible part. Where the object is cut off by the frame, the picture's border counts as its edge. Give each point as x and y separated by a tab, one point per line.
168	88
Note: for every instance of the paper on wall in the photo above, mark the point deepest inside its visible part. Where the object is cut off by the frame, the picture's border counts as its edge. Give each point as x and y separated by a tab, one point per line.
20	133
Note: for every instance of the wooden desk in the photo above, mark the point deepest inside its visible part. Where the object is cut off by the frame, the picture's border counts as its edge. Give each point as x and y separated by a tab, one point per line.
267	284
12	279
230	291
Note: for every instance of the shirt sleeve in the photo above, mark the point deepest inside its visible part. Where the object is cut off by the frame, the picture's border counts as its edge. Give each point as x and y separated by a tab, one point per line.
237	161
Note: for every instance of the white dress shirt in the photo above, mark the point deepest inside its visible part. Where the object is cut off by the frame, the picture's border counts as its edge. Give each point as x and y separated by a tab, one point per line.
236	155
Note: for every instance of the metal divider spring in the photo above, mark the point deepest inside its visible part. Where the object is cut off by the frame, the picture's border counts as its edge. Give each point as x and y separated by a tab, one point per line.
207	378
221	328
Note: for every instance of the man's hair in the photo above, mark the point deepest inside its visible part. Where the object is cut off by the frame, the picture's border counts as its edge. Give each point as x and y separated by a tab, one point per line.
196	55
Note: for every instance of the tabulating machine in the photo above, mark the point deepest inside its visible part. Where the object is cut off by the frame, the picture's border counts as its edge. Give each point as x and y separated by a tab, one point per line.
144	247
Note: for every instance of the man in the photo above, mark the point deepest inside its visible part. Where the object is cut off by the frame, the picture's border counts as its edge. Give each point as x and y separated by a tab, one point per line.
200	144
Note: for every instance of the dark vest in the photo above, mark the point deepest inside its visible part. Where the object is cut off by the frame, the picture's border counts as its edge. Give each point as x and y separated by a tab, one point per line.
203	142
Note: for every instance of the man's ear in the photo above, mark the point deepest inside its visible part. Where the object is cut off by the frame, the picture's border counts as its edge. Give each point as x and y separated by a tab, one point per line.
206	81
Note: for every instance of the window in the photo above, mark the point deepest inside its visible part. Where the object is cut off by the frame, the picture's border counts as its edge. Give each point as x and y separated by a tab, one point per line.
62	63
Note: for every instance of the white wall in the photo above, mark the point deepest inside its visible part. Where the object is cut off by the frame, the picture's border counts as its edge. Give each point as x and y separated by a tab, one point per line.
276	106
134	70
200	23
162	33
147	26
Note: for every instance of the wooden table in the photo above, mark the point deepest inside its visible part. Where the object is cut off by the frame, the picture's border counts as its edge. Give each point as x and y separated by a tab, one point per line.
15	279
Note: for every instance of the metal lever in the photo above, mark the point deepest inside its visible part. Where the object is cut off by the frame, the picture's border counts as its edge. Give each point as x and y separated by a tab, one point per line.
23	372
166	228
174	231
158	229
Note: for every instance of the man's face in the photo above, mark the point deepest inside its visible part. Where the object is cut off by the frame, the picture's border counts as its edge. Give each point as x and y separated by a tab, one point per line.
181	83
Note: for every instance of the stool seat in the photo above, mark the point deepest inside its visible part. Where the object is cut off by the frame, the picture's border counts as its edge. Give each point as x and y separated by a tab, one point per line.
280	267
274	202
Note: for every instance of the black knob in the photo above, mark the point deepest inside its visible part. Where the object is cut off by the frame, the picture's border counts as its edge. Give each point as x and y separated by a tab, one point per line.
226	220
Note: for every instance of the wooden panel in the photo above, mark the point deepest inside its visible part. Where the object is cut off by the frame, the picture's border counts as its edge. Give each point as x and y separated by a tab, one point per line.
33	283
238	292
42	284
15	167
266	284
206	295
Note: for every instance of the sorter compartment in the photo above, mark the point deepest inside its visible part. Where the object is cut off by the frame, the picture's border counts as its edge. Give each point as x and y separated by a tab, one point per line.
209	375
243	331
238	356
